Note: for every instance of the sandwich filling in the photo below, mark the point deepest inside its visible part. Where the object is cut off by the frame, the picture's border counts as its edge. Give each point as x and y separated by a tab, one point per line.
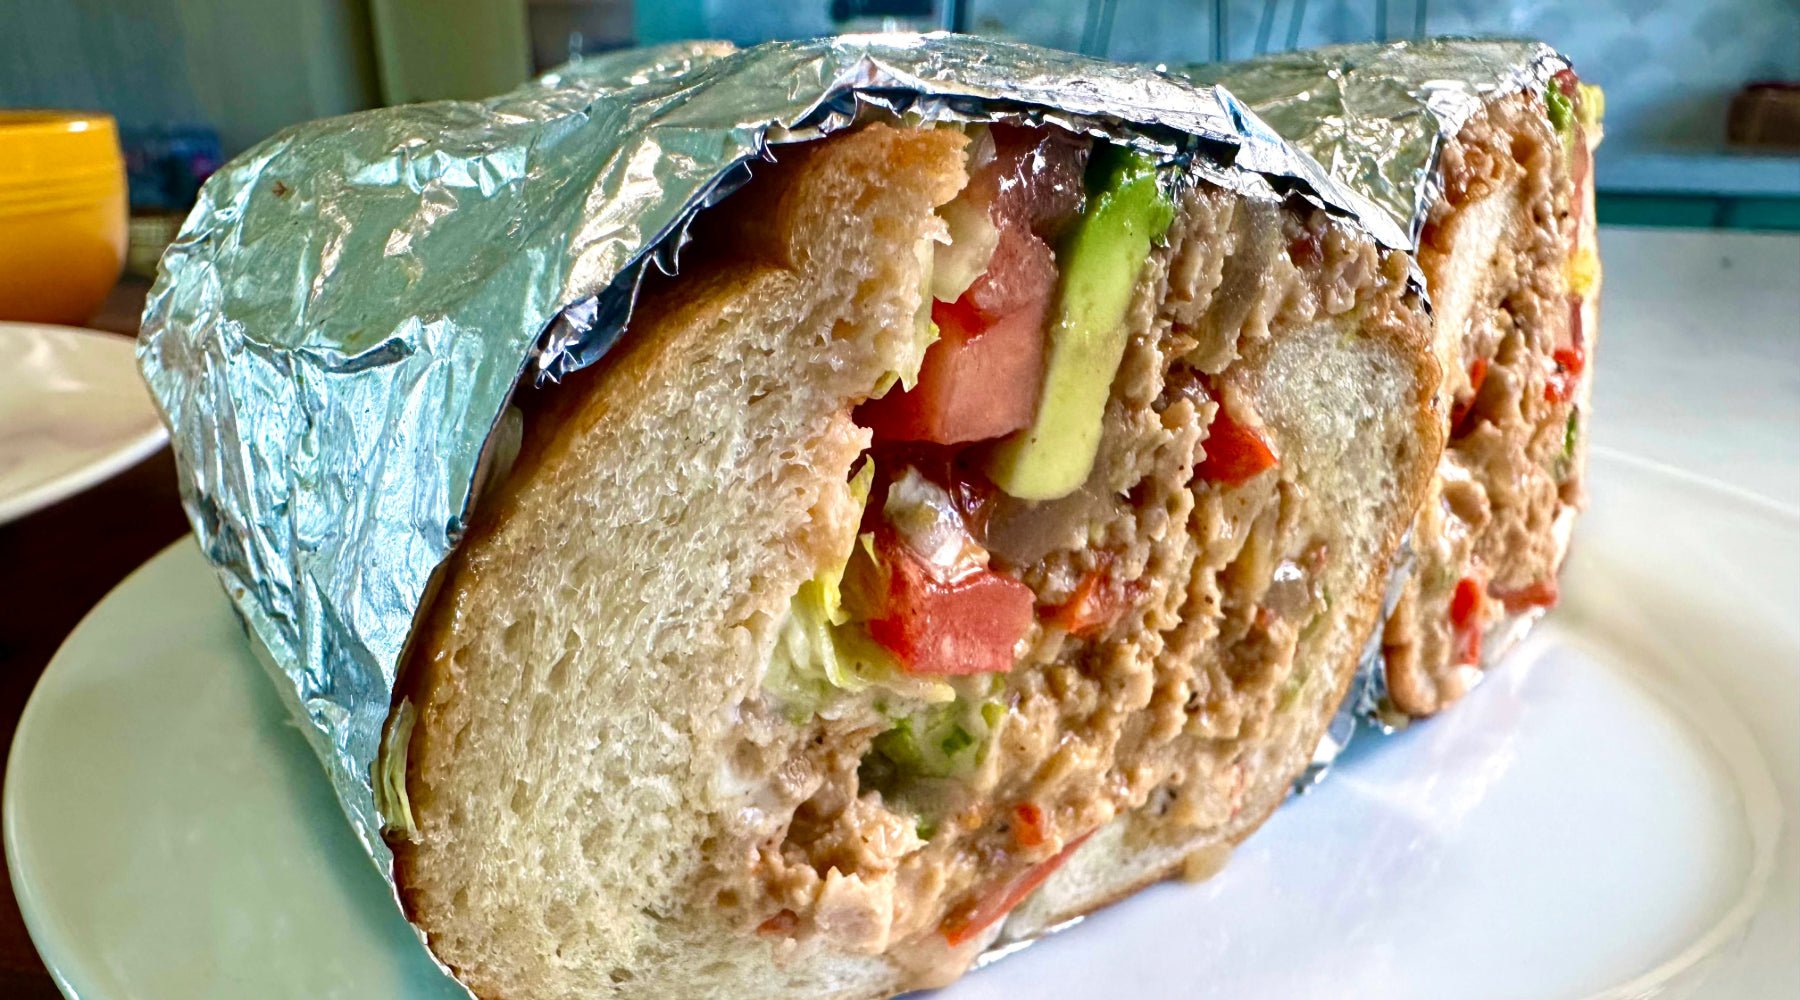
1074	574
1509	255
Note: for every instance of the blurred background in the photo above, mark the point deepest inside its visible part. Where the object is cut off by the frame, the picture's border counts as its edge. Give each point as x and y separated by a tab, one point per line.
1703	99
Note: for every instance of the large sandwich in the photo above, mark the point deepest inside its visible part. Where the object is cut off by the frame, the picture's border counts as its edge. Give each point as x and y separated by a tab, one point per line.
1484	150
983	522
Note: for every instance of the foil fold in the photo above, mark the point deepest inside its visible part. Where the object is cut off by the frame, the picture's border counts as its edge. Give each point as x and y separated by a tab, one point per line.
349	309
1377	115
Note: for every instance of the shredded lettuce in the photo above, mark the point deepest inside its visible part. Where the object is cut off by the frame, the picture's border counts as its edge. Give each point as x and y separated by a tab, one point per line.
1565	462
1588	107
925	332
944	741
819	653
390	778
973	238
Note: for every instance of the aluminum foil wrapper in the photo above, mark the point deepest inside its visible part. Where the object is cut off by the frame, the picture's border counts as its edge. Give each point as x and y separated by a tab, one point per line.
338	330
1377	115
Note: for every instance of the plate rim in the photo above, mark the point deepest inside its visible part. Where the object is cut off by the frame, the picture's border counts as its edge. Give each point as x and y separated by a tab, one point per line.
128	453
56	958
42	937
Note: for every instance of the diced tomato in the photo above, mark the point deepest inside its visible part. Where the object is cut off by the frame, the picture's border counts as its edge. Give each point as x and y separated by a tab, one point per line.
1465	619
1567	82
1559	387
978	381
1569	360
1097	602
1028	825
1234	453
1037	177
1465	602
964	924
1020	277
782	923
1459	410
1541	594
965	625
1307	249
983	376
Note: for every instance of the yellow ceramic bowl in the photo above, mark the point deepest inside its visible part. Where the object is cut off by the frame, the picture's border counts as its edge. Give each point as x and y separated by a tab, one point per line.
62	214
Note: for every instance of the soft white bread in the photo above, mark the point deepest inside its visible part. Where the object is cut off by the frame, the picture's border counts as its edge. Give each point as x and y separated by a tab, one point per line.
577	681
606	802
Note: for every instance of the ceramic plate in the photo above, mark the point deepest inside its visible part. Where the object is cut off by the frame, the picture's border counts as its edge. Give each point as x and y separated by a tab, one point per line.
72	412
1609	816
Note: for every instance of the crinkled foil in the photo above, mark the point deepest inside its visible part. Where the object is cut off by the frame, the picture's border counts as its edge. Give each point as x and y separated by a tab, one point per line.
349	308
1377	115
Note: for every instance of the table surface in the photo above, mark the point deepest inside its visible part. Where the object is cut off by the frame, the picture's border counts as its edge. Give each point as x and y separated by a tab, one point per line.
1699	368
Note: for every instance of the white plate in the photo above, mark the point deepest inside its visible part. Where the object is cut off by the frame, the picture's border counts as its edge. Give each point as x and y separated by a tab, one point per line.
1608	816
73	412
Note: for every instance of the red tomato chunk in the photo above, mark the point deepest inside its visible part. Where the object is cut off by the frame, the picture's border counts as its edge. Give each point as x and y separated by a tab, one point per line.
1569	363
980	380
1465	619
1096	603
968	624
964	924
1234	452
983	376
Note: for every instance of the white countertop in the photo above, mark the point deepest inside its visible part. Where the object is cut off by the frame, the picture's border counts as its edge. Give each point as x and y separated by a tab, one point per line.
1698	365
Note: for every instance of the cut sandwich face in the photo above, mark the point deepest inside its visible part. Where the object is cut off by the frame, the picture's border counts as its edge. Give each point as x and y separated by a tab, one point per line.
1510	260
986	525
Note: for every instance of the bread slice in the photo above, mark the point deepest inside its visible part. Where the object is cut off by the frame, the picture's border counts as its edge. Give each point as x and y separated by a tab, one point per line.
1507	248
605	798
1331	386
1509	257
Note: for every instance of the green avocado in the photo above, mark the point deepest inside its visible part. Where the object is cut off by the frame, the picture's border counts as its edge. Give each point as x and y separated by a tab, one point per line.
1561	110
1100	263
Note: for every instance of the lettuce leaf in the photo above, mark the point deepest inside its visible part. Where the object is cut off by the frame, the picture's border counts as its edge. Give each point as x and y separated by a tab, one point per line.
942	741
820	654
390	778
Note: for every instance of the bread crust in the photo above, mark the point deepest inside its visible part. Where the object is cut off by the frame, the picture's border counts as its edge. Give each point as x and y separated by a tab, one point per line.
701	322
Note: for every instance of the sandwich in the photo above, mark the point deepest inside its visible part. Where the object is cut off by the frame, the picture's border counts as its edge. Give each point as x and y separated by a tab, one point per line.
1483	149
981	522
787	663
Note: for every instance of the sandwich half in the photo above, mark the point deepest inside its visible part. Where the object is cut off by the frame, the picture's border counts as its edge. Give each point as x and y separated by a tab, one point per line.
983	524
1502	205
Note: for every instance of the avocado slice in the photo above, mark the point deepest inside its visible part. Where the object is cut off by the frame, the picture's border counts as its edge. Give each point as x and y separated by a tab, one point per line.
1100	264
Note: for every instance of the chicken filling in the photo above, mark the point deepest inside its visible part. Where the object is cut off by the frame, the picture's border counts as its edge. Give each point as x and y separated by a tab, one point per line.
1489	542
1079	573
